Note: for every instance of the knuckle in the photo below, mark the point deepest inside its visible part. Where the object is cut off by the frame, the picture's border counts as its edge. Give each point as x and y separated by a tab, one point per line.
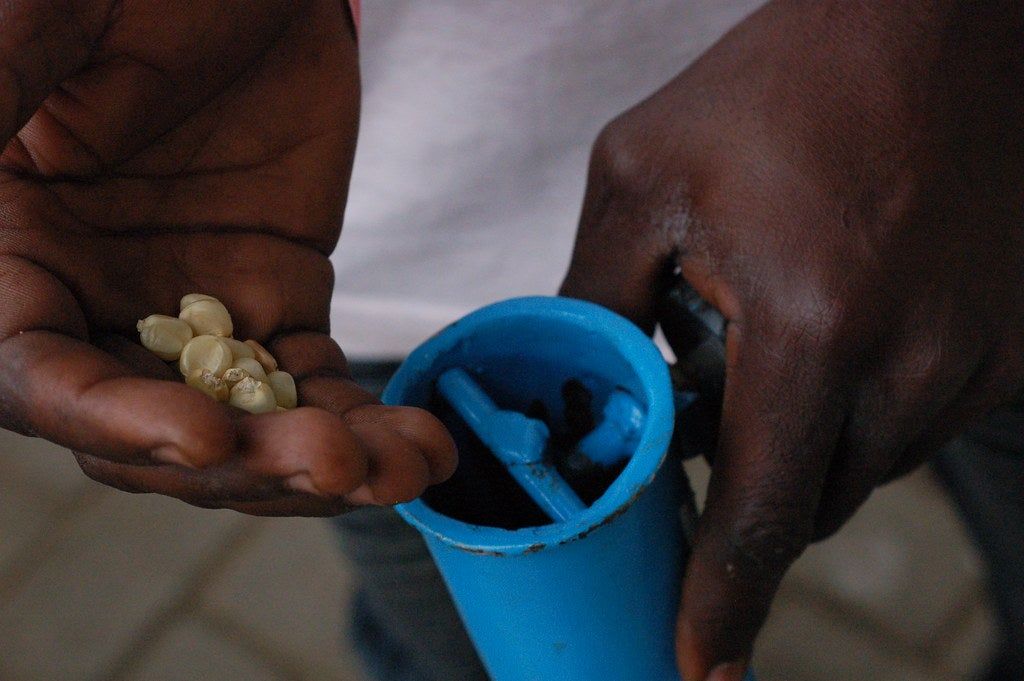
812	323
767	547
616	159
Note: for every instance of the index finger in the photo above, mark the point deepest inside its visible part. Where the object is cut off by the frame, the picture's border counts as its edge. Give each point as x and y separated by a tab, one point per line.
779	428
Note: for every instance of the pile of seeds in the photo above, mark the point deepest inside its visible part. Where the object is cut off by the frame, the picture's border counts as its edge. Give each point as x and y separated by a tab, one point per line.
199	339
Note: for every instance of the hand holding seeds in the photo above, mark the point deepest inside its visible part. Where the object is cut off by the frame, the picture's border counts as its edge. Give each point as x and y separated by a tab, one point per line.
199	339
163	204
200	417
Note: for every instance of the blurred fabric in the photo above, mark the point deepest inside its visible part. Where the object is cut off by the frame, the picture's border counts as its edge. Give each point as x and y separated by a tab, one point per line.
476	128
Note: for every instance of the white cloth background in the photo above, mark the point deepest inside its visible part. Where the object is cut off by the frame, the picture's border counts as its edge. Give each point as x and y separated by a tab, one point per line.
477	123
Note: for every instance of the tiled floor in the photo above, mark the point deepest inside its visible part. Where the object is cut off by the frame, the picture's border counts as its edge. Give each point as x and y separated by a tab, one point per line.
100	585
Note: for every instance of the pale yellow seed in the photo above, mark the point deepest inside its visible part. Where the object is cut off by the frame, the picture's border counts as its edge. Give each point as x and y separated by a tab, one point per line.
193	298
208	318
263	356
239	349
253	396
204	380
164	336
235	375
281	409
205	352
251	367
284	389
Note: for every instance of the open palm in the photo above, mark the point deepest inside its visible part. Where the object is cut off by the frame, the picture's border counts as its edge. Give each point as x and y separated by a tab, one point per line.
161	148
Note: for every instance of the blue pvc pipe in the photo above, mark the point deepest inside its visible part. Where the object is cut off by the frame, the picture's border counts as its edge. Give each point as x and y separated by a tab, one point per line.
594	596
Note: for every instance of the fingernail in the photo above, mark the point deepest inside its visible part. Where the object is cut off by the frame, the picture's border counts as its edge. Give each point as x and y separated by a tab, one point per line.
362	496
730	671
171	454
301	482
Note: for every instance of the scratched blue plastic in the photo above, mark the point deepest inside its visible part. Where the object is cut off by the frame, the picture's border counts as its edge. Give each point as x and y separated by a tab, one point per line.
595	596
516	439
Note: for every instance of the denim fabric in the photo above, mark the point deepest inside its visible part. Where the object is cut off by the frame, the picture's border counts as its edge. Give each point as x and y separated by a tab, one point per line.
405	625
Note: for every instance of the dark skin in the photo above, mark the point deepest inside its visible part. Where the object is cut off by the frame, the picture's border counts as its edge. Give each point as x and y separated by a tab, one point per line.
844	181
153	149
